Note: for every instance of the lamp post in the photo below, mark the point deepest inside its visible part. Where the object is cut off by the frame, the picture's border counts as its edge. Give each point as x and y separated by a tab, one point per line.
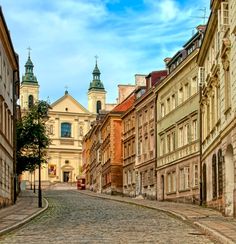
42	113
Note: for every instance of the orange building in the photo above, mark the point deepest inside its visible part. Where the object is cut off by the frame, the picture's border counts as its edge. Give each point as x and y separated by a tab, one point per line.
111	148
128	146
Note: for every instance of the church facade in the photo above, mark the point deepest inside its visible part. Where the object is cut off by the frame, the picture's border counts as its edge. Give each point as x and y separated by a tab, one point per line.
68	122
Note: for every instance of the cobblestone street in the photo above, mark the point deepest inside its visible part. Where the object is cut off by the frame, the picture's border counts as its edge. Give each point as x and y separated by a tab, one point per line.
76	218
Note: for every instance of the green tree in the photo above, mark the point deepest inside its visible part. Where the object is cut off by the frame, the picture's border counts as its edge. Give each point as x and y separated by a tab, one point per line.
32	138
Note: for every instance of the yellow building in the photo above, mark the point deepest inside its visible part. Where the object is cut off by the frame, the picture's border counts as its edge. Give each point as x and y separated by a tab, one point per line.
9	91
68	122
178	165
217	77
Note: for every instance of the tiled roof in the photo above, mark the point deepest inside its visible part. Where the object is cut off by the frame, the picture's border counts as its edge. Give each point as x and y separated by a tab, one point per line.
125	105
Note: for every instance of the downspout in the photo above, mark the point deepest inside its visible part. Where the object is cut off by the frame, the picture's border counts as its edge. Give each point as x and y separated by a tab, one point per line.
15	94
155	130
200	144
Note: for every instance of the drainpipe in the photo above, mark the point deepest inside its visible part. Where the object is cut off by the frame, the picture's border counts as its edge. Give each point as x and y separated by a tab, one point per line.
155	130
200	144
15	95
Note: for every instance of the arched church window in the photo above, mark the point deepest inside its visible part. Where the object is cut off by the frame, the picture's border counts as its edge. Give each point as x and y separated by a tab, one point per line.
30	101
65	129
99	106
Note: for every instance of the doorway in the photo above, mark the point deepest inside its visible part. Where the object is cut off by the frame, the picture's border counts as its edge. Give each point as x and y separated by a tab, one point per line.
204	184
163	187
229	181
66	176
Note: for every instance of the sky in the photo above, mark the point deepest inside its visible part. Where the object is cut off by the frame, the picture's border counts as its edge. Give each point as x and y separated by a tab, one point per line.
128	36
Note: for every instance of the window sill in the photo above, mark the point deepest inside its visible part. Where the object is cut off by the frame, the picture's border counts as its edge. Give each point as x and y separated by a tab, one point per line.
170	193
184	190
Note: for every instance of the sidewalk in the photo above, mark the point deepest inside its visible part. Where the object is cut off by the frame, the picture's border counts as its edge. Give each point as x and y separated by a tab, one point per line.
208	220
24	210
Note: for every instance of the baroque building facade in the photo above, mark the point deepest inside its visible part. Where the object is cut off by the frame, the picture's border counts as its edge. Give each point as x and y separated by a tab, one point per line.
68	122
9	94
178	164
217	78
145	136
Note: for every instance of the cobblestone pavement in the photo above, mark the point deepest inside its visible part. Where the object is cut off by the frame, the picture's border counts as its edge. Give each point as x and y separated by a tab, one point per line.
77	218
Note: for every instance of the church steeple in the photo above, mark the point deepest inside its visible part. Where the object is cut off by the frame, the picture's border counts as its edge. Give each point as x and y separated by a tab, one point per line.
29	89
96	92
96	83
29	73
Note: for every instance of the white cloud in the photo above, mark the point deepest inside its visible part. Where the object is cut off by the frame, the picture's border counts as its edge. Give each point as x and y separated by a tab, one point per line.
66	35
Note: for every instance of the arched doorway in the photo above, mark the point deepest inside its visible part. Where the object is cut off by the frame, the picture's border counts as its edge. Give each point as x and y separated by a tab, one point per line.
229	181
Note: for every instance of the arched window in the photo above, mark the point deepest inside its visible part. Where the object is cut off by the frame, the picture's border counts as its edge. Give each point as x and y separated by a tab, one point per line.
214	177
30	101
220	173
65	129
99	106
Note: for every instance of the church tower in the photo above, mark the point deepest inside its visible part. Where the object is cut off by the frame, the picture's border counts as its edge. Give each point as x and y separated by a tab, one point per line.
96	92
29	89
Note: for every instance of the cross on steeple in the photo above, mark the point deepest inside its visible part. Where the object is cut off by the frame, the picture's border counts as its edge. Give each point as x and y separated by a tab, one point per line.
29	49
96	58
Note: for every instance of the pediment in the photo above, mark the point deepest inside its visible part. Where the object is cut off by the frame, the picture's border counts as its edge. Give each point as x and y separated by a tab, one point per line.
68	104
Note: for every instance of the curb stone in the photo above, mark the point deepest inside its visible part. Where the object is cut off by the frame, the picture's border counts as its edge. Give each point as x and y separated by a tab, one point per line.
24	221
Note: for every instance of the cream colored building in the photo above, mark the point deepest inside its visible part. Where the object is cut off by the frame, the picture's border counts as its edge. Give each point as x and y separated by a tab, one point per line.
217	77
9	71
178	165
145	135
68	122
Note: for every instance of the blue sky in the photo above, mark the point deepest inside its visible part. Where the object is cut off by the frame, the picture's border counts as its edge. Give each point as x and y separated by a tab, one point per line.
129	36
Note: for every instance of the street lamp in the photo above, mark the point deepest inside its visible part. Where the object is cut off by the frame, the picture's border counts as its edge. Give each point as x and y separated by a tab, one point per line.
42	113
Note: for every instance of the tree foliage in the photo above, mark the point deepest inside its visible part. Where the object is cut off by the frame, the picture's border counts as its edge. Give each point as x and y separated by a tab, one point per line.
32	138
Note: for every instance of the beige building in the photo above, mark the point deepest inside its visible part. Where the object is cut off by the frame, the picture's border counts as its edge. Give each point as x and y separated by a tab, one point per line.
9	92
68	122
145	135
178	165
217	77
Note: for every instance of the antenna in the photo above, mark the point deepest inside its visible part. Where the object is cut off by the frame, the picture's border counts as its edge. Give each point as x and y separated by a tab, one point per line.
203	16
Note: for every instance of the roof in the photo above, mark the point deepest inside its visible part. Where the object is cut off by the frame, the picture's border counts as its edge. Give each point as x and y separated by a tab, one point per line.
126	104
157	76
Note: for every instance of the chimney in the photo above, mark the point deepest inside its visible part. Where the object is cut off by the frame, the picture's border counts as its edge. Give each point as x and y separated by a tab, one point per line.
201	28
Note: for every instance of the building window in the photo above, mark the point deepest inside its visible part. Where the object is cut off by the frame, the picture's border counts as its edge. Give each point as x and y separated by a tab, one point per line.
195	175
168	105
227	84
168	143
162	110
162	147
184	178
181	137
194	85
171	182
65	130
99	106
194	130
180	96
186	91
30	101
173	101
